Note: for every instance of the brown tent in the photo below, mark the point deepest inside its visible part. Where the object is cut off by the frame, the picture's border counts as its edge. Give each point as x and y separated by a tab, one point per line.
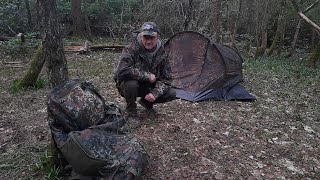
204	70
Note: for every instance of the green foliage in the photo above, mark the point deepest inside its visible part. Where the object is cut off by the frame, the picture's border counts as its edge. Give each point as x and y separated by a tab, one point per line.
63	8
15	48
103	15
13	16
46	167
40	83
16	87
281	66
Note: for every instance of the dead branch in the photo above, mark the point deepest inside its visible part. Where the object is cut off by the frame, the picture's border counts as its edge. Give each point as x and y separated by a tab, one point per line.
310	7
7	38
14	66
309	21
11	29
304	17
101	47
85	48
93	48
13	62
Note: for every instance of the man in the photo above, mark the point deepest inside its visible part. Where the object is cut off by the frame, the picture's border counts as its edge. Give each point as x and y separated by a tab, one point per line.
144	71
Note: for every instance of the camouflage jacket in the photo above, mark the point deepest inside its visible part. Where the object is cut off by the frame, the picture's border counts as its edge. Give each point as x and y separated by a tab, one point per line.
134	65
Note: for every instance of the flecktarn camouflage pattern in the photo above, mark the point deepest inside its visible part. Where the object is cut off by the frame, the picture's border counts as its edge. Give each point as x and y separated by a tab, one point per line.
92	135
134	65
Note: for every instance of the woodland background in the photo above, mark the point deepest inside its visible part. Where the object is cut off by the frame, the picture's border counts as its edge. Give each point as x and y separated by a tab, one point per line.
243	24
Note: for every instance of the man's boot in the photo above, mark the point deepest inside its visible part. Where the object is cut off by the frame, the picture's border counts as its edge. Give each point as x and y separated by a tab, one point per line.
132	116
147	105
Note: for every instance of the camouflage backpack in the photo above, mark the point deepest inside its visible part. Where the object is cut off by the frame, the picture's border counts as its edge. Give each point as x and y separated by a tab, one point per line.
92	135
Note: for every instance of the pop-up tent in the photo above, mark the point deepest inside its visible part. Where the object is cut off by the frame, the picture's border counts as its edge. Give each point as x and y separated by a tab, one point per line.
203	70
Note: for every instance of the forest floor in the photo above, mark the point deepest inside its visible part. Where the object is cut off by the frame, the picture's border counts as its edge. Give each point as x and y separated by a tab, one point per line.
275	137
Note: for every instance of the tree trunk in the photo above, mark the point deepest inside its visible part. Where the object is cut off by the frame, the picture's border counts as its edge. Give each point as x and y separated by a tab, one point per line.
250	22
187	22
315	55
235	26
86	22
280	26
80	26
28	14
304	17
295	39
296	35
121	16
217	21
261	50
274	43
53	53
52	43
262	30
313	38
34	70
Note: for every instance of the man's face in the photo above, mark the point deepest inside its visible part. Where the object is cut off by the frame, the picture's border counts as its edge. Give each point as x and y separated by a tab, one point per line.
149	42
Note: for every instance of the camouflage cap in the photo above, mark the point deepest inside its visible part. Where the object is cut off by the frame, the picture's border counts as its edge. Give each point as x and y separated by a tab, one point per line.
149	29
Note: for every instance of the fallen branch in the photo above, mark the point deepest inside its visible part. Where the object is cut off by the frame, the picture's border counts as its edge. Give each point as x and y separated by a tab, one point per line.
296	34
304	17
309	21
310	7
14	66
7	38
72	48
103	47
13	62
84	49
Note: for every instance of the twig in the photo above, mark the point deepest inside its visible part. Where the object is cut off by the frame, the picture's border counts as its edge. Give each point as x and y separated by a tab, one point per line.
310	7
304	17
11	29
13	62
15	66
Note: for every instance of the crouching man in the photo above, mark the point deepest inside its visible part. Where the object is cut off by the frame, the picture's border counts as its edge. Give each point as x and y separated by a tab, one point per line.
144	71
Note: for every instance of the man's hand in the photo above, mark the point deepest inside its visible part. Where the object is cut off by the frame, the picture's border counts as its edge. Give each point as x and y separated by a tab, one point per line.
150	97
152	78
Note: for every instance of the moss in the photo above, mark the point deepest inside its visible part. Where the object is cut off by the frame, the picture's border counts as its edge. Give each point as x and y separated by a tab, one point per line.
34	70
275	43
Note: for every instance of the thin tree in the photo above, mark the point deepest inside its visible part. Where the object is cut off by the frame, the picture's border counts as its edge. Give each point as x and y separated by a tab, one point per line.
52	43
28	13
280	28
187	25
53	54
235	25
250	4
296	34
315	54
262	29
218	18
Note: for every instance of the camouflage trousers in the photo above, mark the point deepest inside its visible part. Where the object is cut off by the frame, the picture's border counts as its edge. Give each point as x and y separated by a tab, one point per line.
132	89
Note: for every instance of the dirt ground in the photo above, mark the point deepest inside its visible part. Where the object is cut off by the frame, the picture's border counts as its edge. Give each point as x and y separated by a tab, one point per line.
275	137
